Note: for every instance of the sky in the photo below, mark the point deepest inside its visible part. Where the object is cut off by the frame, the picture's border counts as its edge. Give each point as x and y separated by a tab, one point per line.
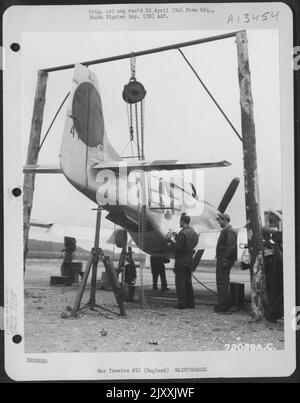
181	121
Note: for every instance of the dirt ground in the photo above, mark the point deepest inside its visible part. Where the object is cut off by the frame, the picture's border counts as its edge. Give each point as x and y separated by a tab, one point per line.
153	326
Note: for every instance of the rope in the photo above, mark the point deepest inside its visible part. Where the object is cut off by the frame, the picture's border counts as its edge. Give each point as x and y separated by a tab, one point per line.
131	145
53	120
125	148
203	285
211	96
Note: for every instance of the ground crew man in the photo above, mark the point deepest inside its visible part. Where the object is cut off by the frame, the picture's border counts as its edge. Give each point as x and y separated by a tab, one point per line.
269	253
226	254
158	270
68	253
273	263
130	276
184	243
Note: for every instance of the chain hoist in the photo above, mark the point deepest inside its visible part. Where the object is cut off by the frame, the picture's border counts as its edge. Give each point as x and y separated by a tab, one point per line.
134	94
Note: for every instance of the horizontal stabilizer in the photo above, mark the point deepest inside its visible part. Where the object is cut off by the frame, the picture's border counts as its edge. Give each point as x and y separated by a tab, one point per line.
159	165
42	169
41	224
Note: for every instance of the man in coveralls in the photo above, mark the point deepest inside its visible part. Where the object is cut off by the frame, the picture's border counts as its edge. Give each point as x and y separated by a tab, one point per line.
226	254
184	243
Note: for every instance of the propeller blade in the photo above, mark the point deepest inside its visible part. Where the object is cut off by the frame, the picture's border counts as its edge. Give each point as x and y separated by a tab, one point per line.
197	258
228	195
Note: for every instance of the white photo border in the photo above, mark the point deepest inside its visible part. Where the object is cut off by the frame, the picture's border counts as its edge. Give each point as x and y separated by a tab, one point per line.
81	366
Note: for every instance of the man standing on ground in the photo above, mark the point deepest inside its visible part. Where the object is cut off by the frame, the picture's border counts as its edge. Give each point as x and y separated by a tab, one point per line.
273	261
68	253
226	255
130	276
184	243
158	270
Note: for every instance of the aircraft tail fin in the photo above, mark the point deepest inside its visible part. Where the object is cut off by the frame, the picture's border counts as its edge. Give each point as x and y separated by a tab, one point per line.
84	139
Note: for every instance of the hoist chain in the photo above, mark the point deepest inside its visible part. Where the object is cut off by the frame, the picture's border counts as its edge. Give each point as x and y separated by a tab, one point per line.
143	211
138	111
133	67
143	196
142	130
139	127
137	131
142	230
131	131
136	128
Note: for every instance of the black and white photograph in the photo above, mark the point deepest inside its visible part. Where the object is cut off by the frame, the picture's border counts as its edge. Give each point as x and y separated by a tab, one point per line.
148	186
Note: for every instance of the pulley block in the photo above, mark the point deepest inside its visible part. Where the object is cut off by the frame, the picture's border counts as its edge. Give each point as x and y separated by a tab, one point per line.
133	92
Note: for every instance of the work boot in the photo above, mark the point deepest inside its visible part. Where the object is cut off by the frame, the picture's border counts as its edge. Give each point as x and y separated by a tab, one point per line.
180	306
165	289
217	307
271	319
221	308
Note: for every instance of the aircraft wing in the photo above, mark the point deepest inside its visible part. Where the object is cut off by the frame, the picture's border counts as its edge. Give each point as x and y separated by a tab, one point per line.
60	229
41	224
157	165
55	231
208	241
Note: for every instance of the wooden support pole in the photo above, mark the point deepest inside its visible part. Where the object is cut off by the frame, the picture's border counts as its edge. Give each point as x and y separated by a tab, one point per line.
253	214
96	258
33	151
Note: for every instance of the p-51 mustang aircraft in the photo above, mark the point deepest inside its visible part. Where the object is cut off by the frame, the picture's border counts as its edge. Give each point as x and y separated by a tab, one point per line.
93	167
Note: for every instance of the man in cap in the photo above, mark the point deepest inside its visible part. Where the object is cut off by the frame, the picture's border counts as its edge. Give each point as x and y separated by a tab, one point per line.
184	243
226	254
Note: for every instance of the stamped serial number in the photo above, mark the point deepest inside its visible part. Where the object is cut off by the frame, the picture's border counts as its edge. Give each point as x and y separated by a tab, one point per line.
247	18
249	347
